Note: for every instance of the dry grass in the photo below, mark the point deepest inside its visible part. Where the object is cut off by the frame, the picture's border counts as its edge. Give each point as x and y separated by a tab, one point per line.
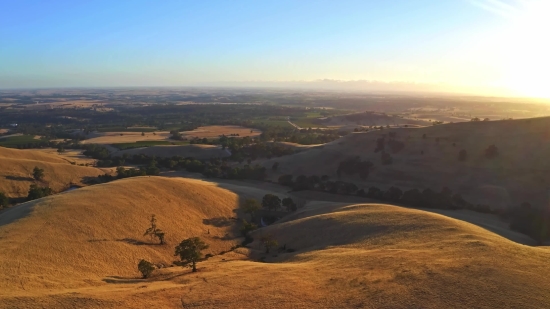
201	132
216	131
518	174
348	256
69	155
16	171
78	238
125	137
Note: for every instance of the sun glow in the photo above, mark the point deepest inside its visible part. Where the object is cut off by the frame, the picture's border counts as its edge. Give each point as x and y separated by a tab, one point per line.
526	51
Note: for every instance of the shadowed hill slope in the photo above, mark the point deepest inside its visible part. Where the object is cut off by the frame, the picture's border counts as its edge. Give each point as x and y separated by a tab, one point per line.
16	168
519	173
79	237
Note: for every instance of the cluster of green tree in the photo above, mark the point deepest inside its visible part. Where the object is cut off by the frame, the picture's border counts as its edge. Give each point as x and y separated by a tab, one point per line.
96	151
354	166
4	200
36	192
273	202
414	197
258	150
306	137
151	170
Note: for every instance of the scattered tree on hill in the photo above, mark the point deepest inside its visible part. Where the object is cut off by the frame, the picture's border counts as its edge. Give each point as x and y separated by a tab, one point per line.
269	242
4	200
142	133
247	228
145	268
60	149
491	152
38	173
36	192
271	202
375	193
250	206
393	194
285	180
153	231
475	119
289	204
189	252
462	155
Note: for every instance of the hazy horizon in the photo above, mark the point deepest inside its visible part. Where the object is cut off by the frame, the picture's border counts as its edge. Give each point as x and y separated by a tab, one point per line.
475	47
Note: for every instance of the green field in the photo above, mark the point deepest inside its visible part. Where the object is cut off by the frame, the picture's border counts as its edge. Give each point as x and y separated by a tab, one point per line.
123	146
14	141
272	123
306	122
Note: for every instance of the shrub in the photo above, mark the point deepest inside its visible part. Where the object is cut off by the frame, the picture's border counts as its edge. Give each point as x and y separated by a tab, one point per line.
38	173
146	268
269	242
4	200
250	206
247	228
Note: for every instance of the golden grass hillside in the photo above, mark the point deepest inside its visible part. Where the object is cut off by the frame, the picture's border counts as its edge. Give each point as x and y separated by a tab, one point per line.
81	237
518	174
347	256
16	168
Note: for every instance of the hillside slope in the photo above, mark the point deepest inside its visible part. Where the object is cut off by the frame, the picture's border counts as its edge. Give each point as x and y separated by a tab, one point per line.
371	119
80	237
518	174
16	168
346	256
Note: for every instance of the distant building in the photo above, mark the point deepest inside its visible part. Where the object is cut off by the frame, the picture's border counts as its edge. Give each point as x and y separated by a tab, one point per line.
14	125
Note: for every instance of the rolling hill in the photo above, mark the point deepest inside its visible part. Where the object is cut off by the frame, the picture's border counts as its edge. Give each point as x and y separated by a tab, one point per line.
71	251
429	159
77	238
16	171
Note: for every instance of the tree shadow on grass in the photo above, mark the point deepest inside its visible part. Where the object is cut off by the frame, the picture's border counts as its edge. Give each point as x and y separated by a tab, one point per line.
19	178
130	241
137	242
122	280
219	221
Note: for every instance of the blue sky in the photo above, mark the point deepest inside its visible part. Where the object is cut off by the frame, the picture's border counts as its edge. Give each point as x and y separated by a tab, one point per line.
178	43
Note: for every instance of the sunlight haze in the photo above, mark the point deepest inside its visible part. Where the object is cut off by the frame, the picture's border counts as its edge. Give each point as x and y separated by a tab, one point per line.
487	47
